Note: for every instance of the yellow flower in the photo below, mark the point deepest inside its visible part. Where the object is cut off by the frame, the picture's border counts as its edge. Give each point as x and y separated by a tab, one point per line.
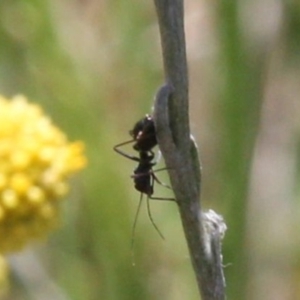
36	161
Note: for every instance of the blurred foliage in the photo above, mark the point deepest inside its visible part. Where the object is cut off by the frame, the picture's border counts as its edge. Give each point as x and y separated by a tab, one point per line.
94	66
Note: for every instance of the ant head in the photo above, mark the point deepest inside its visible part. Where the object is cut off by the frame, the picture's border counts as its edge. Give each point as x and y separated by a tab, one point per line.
144	134
140	127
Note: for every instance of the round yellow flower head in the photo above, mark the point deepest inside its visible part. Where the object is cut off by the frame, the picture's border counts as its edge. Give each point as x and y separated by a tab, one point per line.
36	160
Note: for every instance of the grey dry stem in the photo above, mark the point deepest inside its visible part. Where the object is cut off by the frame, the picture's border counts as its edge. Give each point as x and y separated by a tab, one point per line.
203	231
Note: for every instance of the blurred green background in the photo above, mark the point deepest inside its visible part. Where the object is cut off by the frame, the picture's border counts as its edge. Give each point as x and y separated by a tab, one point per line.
94	67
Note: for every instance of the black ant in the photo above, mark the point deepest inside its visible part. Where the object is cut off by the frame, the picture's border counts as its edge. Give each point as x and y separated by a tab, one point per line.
144	139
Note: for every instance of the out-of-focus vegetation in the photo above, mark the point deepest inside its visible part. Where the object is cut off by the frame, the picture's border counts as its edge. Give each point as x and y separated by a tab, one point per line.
94	66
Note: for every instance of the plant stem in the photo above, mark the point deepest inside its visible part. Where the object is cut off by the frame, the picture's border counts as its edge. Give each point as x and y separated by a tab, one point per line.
203	231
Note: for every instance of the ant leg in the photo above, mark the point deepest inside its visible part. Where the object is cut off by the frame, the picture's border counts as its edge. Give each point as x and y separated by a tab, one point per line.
162	198
149	172
134	226
151	219
116	148
154	178
160	182
161	169
157	180
135	220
